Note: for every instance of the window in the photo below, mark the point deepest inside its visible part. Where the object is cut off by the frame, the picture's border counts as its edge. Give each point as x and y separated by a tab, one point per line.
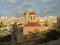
21	28
45	24
31	17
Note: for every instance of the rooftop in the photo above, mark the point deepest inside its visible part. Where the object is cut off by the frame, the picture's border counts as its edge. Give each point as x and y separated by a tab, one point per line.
32	24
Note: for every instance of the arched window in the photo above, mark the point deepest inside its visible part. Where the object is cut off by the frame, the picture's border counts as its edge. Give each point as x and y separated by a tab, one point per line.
31	17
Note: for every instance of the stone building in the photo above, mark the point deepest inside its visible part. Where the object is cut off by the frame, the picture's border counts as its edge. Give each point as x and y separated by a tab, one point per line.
17	34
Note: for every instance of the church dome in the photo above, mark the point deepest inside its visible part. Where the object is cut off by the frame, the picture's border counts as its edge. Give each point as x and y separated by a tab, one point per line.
33	13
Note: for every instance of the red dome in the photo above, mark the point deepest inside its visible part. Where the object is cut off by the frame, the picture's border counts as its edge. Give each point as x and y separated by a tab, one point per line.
33	13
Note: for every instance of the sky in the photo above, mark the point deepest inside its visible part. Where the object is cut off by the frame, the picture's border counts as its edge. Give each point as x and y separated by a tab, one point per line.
17	7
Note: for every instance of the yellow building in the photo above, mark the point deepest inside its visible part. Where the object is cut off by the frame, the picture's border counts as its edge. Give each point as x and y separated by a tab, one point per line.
31	24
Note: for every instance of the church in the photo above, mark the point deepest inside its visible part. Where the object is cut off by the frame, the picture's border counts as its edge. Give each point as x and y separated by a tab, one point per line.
31	24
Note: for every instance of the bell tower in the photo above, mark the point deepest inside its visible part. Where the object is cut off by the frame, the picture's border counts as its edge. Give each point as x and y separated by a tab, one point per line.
26	14
32	16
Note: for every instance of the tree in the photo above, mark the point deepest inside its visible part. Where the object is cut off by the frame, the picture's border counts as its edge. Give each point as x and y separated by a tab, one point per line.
52	35
5	39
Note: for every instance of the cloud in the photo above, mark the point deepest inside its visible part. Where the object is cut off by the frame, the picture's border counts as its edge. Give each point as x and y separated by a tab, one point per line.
26	4
12	1
52	7
46	0
2	0
19	9
42	7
